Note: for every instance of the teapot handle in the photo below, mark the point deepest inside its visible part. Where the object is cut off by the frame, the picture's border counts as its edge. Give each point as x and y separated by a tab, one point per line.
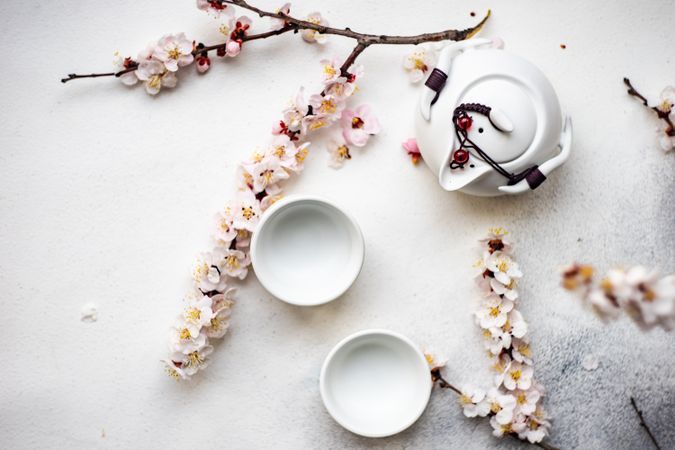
436	80
549	166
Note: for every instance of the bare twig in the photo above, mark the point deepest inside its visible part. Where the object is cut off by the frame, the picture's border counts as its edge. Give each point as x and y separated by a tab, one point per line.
663	115
364	40
643	424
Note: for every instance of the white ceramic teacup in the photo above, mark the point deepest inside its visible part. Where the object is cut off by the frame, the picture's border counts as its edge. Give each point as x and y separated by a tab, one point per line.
375	383
306	250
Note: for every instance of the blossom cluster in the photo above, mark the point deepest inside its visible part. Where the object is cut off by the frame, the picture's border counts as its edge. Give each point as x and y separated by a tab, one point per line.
646	296
320	111
207	309
513	403
666	107
156	66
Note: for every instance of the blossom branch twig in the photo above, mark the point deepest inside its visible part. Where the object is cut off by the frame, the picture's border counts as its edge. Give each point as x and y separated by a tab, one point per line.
664	111
643	424
364	40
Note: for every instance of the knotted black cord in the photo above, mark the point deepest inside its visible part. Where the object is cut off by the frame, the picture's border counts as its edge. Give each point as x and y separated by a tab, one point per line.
461	112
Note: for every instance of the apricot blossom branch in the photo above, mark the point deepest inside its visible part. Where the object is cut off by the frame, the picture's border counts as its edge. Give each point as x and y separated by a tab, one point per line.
290	23
665	111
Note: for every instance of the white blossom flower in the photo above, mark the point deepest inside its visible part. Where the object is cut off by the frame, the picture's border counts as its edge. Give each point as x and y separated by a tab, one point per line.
183	338
286	152
219	323
515	324
235	263
494	312
419	63
215	7
496	240
293	115
225	231
314	122
339	153
435	362
194	361
500	430
535	429
312	35
208	273
266	173
155	76
473	401
247	211
496	340
667	100
521	351
121	63
526	401
503	267
174	370
509	291
501	405
359	125
340	89
516	376
278	24
223	301
197	313
174	50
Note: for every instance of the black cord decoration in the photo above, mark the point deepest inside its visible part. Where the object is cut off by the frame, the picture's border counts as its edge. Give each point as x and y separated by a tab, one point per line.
463	121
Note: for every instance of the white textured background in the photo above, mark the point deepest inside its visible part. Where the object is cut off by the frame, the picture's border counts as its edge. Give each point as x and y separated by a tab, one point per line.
107	195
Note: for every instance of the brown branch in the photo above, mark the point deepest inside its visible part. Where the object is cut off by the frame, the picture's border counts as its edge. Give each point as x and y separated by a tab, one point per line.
643	424
443	383
665	116
292	24
368	39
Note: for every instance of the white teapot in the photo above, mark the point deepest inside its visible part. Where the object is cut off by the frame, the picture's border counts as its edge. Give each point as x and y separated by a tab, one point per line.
489	122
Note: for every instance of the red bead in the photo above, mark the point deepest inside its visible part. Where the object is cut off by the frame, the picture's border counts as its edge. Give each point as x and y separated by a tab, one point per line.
465	122
460	156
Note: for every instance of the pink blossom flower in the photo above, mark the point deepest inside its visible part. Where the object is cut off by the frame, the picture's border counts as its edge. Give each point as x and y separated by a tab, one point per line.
278	24
215	7
293	115
339	153
340	89
331	70
326	105
312	35
203	63
410	146
358	125
219	324
266	173
185	340
175	51
155	76
473	401
235	263
314	122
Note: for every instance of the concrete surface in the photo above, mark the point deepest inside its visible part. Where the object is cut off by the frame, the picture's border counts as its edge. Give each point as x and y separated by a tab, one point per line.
107	195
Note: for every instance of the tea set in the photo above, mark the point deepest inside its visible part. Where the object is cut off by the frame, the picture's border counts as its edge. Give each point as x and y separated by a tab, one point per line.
488	123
